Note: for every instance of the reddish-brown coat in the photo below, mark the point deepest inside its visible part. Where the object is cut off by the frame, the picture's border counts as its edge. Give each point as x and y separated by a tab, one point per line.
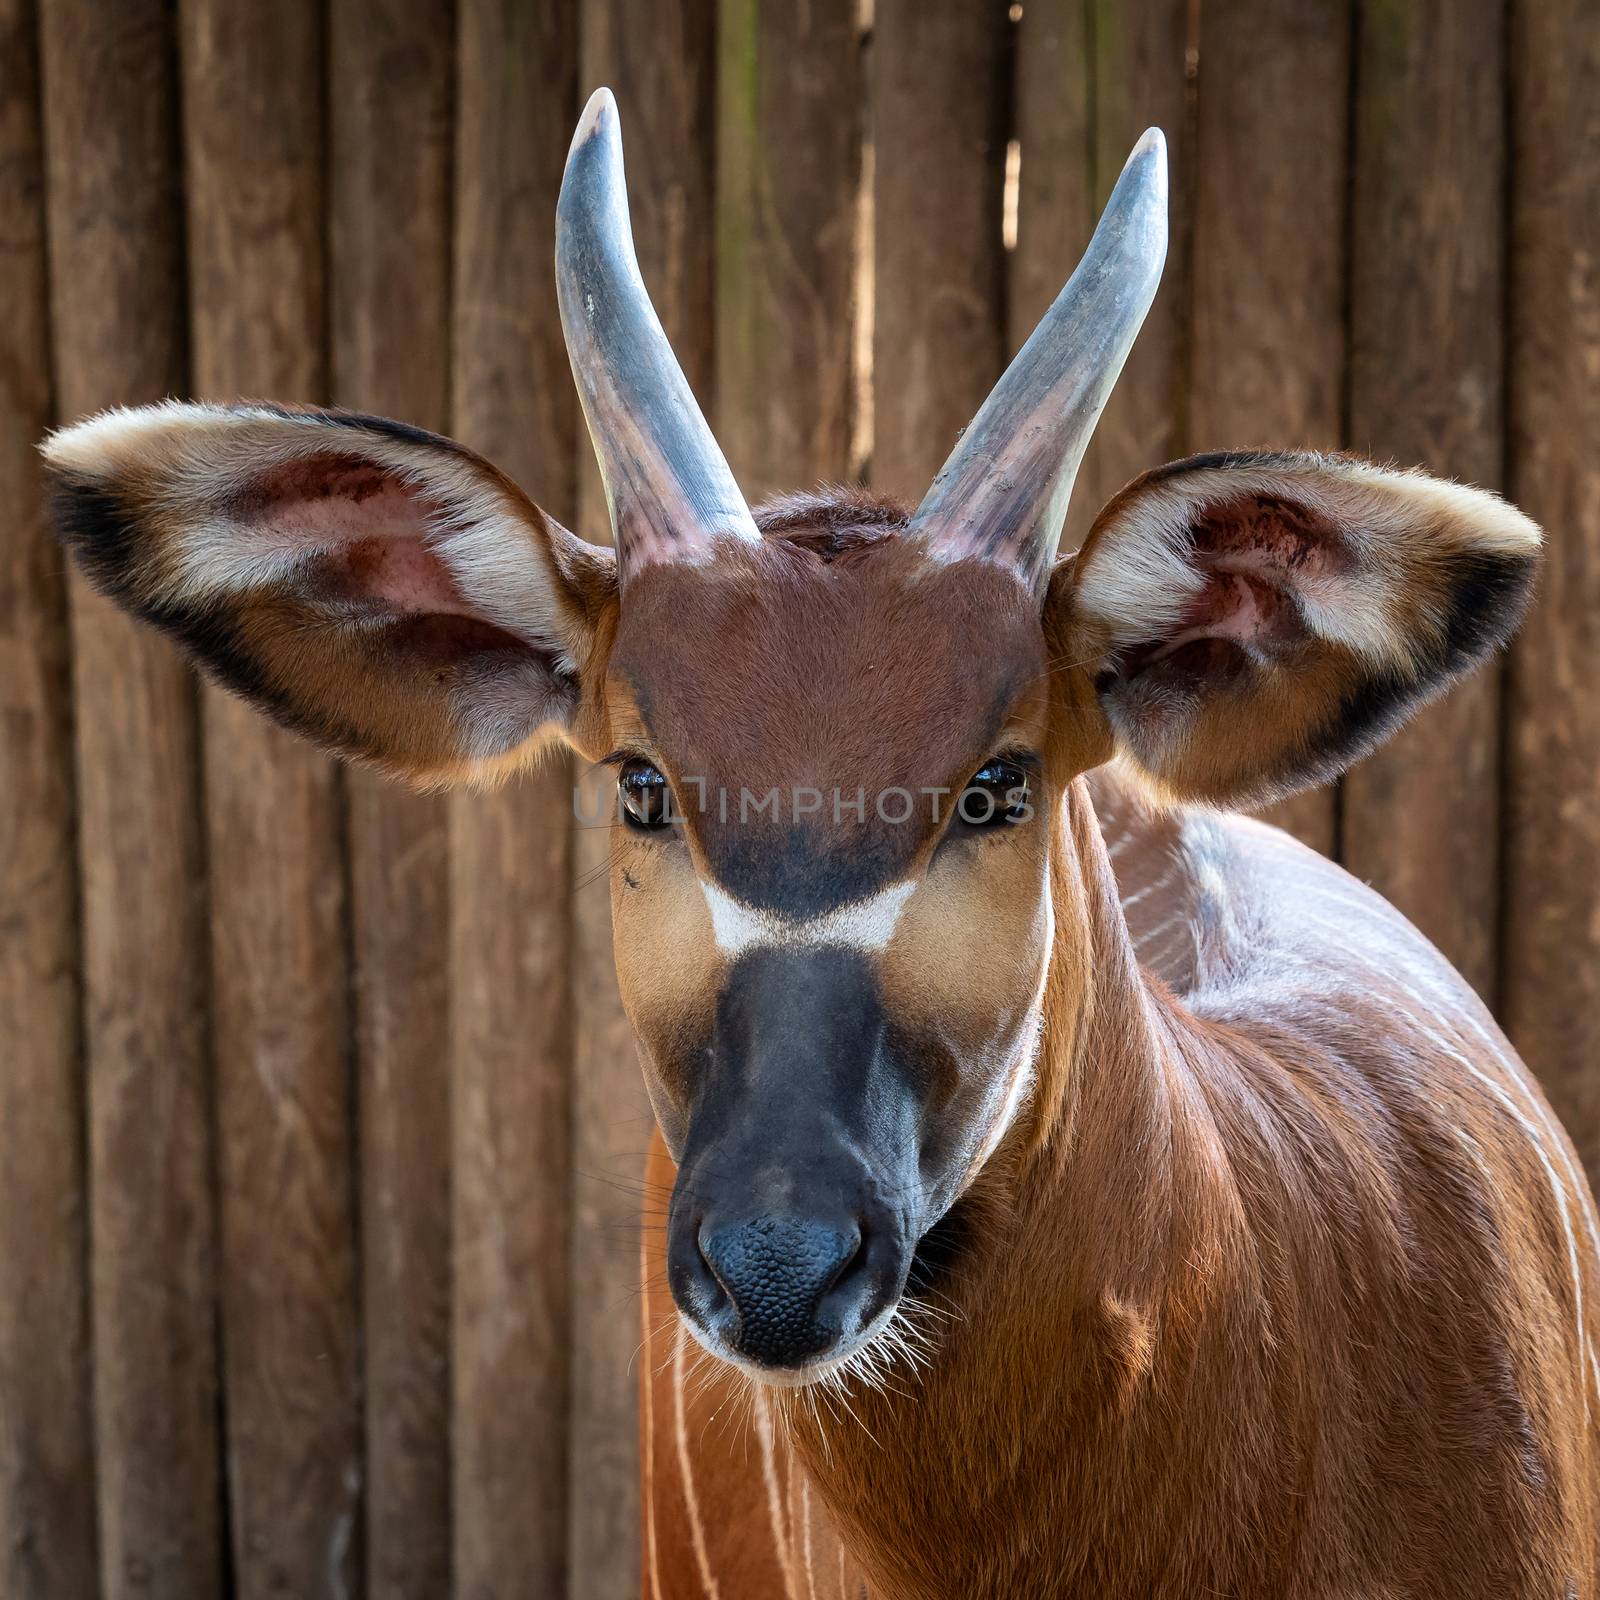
1242	1317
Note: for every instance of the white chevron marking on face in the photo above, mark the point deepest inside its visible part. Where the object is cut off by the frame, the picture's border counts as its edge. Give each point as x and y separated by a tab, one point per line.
864	925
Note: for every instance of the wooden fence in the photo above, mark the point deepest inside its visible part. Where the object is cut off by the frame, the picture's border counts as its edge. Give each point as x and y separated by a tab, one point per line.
318	1113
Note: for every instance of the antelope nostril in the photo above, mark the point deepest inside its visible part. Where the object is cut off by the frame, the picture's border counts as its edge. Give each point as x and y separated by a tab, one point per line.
703	1242
853	1261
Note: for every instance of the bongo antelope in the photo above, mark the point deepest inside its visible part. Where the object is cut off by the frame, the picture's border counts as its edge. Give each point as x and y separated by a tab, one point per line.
1076	1188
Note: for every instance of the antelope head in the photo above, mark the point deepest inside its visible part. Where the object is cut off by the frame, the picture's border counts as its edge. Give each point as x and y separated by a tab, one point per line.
844	734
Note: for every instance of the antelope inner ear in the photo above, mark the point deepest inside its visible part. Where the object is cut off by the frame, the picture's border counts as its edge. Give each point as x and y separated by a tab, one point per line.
378	589
1255	623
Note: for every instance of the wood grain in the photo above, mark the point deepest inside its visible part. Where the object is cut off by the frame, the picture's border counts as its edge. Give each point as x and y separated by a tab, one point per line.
255	149
47	1487
788	169
116	245
1268	253
510	852
1551	958
939	99
1139	58
660	61
1054	130
390	238
1421	818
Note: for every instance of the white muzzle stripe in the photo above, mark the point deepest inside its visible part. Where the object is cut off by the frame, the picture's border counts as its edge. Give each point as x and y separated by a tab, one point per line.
863	925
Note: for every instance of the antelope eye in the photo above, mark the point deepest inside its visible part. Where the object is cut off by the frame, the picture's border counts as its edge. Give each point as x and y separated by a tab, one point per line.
996	794
646	796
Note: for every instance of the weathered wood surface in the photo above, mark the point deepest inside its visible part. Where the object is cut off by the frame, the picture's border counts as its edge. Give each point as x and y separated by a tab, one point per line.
390	163
47	1469
1421	818
512	398
788	168
1268	356
1140	59
939	136
660	60
254	162
1054	79
1088	80
118	307
1550	958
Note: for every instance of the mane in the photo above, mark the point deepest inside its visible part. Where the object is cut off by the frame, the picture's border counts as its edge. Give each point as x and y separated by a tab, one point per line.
833	520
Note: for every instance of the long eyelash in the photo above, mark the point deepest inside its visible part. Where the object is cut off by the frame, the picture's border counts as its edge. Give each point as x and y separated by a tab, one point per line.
1028	760
619	758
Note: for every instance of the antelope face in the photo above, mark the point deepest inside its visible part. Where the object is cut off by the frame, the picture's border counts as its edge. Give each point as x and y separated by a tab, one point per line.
831	907
840	735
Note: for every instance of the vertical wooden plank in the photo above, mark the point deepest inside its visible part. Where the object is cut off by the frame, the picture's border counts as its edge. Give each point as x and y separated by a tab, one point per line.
510	852
116	244
1090	77
659	59
788	159
1139	56
252	85
1054	130
1269	249
47	1488
1551	961
1421	818
939	103
391	65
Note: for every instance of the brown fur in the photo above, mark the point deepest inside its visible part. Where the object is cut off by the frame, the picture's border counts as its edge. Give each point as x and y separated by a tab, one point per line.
1236	1319
859	651
1282	1282
1237	1314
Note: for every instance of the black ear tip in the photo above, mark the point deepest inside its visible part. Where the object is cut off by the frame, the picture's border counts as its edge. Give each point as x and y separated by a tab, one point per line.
1490	598
93	526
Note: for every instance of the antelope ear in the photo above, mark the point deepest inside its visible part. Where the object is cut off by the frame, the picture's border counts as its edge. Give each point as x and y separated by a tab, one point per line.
383	591
1255	623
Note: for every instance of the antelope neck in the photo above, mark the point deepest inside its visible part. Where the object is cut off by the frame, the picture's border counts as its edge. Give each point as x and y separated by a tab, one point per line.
1069	1257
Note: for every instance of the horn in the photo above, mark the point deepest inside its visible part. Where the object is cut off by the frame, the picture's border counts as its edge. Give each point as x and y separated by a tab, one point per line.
668	486
1002	496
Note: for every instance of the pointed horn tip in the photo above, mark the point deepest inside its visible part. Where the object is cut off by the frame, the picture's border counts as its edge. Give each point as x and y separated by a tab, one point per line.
1150	139
599	117
1151	152
1151	148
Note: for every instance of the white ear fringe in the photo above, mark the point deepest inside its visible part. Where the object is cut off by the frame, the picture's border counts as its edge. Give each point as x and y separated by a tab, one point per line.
190	459
1139	577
